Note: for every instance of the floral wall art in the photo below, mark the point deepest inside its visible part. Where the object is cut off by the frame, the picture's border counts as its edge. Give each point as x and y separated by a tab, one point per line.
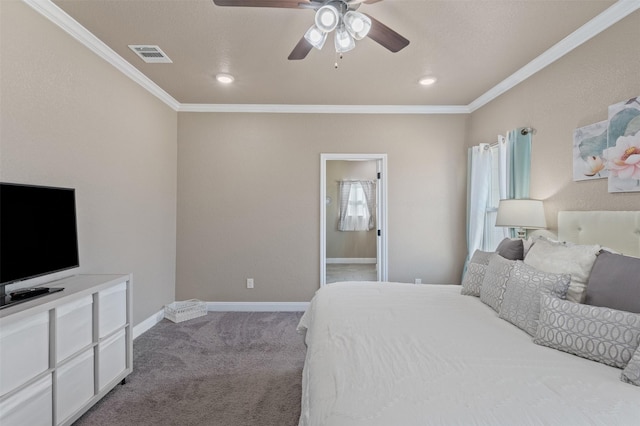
611	148
622	156
588	144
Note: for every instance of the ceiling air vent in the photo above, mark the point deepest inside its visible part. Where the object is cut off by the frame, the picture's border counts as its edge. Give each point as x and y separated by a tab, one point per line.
150	54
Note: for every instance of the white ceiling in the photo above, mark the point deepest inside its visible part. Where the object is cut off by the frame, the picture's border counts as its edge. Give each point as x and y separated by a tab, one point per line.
476	49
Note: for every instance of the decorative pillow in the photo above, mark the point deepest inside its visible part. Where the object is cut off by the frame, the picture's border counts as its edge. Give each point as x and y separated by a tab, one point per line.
615	282
601	334
631	373
521	304
565	258
495	281
472	281
511	249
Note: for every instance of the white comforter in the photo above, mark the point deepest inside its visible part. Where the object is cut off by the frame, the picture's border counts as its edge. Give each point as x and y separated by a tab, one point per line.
402	354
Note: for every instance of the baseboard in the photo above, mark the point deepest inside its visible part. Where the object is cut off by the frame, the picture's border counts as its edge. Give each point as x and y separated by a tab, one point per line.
257	306
351	260
145	325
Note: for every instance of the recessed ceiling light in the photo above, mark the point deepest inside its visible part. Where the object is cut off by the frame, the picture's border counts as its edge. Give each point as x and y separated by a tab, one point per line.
224	78
427	81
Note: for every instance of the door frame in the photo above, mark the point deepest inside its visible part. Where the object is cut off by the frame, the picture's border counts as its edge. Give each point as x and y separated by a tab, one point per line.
381	210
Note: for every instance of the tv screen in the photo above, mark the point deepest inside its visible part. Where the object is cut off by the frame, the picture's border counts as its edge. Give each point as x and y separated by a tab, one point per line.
38	233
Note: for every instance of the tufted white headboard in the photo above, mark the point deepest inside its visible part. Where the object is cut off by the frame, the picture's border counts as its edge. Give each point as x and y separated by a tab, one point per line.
617	230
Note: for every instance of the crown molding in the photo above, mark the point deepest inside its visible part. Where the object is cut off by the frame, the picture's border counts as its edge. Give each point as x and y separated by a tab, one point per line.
604	20
59	17
326	109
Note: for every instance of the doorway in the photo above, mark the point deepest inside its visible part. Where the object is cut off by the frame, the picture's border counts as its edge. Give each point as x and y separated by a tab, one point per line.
375	267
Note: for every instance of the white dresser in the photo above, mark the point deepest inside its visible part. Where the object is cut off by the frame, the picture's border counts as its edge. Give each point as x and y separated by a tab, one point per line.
61	353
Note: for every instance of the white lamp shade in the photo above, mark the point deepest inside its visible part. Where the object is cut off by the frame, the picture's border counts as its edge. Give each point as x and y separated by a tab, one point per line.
315	37
523	213
327	18
358	24
343	40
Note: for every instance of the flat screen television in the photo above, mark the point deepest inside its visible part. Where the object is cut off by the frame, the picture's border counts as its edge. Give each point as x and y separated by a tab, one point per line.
38	232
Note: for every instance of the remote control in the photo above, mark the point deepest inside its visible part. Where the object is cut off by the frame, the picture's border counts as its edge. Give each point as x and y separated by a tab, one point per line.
25	293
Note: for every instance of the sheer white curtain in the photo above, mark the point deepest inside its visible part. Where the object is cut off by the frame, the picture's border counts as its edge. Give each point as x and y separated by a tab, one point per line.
478	187
498	191
357	205
369	189
495	173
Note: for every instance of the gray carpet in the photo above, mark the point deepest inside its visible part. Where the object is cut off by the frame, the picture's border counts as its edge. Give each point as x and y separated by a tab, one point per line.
226	368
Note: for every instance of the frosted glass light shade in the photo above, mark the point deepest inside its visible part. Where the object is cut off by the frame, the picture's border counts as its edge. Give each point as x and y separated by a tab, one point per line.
358	24
315	37
343	40
524	213
327	18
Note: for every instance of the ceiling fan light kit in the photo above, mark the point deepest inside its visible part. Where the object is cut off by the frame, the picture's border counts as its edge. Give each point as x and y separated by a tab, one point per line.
358	24
315	37
327	18
343	40
339	15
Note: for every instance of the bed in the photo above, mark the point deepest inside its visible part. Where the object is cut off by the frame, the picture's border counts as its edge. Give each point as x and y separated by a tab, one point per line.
404	354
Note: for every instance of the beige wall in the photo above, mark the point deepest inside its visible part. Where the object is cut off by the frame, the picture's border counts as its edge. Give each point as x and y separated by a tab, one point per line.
248	184
572	92
70	119
249	189
357	244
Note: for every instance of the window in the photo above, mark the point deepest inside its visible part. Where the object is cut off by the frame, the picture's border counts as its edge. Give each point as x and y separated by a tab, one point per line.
357	207
357	201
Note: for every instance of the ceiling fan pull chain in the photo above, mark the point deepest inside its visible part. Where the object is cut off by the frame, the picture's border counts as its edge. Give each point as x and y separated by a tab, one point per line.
338	56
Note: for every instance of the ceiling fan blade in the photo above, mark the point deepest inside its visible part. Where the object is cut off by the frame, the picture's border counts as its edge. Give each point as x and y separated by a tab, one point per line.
385	36
294	4
301	50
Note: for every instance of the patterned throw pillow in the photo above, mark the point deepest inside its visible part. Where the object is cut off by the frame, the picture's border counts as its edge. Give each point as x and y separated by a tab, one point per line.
521	304
601	334
565	258
631	373
495	281
472	281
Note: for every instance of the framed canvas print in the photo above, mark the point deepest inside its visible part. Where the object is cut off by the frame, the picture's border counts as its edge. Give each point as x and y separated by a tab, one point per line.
588	144
622	156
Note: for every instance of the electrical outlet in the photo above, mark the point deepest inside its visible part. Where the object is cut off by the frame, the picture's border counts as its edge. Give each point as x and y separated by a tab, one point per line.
418	281
249	282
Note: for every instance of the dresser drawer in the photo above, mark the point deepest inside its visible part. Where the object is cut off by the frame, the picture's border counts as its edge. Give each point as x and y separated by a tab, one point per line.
113	309
74	327
31	406
24	346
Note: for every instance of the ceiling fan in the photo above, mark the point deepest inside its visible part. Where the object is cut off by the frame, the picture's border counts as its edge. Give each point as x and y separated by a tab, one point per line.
338	15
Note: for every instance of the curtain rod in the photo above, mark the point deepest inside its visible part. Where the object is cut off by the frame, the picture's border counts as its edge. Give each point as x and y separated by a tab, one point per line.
524	131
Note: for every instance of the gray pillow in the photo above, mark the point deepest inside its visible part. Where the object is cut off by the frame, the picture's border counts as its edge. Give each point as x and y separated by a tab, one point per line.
495	281
601	334
511	249
615	282
631	373
472	281
521	304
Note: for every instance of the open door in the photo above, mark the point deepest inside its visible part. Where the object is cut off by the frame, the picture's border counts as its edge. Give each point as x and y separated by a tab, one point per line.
381	210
